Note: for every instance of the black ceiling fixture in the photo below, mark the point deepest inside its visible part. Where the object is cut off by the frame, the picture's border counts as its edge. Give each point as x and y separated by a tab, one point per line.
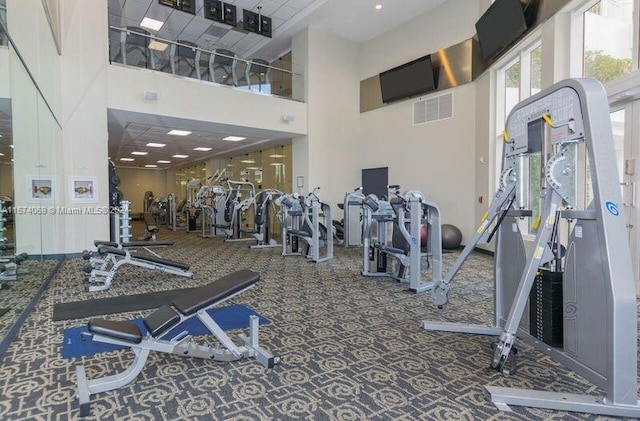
220	11
188	6
256	22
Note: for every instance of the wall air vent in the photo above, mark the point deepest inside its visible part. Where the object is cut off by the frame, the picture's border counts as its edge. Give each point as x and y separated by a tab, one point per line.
433	109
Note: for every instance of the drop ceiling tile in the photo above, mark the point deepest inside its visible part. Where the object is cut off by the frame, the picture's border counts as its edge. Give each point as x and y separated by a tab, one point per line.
285	12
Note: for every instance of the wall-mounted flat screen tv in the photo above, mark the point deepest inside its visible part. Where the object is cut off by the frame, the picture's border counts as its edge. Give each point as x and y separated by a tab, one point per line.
410	79
220	12
500	26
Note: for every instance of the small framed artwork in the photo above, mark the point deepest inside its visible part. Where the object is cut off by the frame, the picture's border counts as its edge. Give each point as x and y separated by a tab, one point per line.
83	189
41	188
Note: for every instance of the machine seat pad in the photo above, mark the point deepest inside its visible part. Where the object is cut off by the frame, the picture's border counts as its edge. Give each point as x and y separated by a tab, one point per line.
161	320
134	244
192	301
221	226
159	260
389	249
250	231
125	331
99	243
7	246
111	250
300	233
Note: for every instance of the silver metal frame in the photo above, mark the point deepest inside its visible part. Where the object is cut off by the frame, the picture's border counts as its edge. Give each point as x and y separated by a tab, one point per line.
182	345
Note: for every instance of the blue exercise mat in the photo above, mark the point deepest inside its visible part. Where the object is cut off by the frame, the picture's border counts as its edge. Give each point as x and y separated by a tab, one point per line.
228	318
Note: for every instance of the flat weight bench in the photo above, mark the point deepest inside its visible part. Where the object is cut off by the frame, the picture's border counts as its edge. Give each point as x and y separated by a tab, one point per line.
100	278
159	324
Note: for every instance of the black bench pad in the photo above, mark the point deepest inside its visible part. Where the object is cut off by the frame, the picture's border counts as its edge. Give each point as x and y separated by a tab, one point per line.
133	244
7	246
159	260
125	331
389	249
161	320
206	295
300	233
111	250
99	243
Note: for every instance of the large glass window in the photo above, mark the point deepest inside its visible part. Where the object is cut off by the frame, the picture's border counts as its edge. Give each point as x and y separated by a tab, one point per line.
608	40
516	80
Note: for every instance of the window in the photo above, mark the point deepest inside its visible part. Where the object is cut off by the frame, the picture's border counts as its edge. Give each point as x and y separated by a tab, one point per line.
608	40
516	80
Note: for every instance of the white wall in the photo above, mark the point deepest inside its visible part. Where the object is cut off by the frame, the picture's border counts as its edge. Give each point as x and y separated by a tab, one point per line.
75	87
135	182
195	100
332	83
437	158
5	87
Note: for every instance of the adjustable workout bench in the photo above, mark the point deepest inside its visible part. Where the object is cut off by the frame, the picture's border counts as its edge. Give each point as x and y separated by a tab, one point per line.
99	261
100	279
162	322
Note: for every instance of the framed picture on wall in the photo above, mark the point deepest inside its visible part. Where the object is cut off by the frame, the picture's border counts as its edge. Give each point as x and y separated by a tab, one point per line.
41	188
83	189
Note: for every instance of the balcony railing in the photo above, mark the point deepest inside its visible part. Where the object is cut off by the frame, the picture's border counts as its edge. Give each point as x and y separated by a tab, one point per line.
134	46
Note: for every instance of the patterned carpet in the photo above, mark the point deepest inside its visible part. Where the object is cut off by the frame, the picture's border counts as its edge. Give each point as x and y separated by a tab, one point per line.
352	349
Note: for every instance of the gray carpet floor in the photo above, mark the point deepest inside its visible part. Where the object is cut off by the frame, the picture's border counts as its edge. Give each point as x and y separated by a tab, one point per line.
352	348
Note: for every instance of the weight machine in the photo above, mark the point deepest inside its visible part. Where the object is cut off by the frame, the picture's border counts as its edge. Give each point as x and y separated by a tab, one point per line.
349	230
564	125
262	205
404	215
305	225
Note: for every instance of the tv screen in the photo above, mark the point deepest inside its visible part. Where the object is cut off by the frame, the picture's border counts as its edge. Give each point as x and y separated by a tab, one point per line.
254	22
413	78
500	26
214	10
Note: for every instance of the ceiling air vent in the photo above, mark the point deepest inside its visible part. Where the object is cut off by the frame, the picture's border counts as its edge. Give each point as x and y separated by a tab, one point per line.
433	109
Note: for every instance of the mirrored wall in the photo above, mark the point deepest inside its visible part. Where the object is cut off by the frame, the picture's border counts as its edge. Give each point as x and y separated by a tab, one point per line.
29	131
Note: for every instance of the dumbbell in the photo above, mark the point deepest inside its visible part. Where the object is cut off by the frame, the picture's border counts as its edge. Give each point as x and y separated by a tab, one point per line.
87	268
21	258
86	254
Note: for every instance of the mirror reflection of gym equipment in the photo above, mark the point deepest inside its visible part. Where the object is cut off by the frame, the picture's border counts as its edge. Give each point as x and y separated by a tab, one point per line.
572	298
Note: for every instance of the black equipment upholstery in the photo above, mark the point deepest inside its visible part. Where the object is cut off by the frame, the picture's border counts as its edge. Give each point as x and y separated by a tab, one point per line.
111	250
125	331
133	244
204	296
99	243
161	320
159	260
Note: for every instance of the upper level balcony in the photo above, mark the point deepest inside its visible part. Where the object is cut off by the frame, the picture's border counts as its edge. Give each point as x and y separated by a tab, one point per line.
135	46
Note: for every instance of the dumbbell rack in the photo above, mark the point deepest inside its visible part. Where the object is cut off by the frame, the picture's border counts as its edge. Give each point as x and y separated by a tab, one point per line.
125	222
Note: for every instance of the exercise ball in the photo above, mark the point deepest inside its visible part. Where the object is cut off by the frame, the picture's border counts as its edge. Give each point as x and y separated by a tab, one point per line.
423	236
451	237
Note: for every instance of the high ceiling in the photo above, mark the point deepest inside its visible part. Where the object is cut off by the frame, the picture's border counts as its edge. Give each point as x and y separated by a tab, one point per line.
355	20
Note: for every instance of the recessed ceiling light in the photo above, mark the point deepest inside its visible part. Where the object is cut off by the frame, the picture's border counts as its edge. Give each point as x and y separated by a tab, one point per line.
248	161
156	145
277	163
181	156
11	146
157	45
1	154
162	161
151	166
127	159
254	168
139	153
378	6
234	138
179	133
275	155
200	148
152	24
